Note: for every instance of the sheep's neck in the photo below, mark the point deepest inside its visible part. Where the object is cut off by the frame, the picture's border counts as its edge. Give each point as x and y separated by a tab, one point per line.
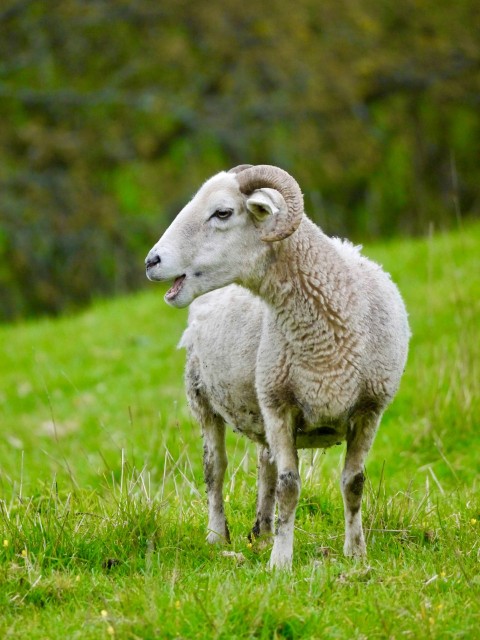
304	284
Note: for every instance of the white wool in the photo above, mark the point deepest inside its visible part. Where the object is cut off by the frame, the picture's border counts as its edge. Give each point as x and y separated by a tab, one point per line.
299	342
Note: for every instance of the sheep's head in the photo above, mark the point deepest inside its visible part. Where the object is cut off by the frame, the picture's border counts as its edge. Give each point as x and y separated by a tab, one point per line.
220	236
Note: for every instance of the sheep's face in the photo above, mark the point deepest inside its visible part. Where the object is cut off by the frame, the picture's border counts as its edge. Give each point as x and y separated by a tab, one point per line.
214	241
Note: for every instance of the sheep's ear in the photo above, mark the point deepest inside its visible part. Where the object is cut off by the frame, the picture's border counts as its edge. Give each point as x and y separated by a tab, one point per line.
265	202
268	208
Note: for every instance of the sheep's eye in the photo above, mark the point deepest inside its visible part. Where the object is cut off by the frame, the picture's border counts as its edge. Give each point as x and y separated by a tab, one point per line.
222	214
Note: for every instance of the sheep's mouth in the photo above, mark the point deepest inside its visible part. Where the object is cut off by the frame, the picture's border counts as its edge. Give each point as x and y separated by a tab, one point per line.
173	292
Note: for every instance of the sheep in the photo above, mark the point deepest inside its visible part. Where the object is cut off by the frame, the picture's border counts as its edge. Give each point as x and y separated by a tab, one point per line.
294	339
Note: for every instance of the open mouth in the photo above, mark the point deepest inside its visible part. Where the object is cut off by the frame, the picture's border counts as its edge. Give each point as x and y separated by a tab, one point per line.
173	292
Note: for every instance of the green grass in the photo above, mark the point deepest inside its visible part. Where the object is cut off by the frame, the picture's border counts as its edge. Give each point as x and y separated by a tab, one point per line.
103	511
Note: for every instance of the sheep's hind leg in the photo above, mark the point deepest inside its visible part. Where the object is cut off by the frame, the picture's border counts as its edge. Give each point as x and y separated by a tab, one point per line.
267	480
359	441
214	467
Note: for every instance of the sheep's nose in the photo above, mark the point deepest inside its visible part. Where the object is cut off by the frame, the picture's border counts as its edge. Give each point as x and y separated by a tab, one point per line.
152	259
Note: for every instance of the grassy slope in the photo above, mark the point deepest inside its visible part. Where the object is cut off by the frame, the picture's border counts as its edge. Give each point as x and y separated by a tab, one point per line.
103	509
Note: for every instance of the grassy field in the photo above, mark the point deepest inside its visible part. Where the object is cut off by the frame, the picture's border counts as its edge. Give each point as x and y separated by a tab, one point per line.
103	510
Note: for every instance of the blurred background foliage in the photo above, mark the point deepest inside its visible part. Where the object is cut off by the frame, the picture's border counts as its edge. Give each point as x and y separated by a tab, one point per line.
111	112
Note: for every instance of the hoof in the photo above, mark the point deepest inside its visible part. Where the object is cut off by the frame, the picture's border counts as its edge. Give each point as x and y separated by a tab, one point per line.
280	559
260	539
355	548
213	537
260	543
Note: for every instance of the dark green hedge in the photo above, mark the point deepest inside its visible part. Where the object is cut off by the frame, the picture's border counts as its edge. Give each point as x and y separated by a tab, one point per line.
112	113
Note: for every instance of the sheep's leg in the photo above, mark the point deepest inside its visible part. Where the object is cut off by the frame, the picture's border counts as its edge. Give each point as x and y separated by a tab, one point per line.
359	441
214	453
267	479
282	445
214	467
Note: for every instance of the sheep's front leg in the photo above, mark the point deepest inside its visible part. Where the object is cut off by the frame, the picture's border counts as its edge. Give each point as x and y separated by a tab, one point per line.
214	467
282	445
267	480
359	441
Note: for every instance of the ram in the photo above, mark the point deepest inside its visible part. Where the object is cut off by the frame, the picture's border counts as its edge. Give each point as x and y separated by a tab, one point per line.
294	339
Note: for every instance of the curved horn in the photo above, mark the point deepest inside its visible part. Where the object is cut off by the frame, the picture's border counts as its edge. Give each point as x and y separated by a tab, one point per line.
260	176
241	167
